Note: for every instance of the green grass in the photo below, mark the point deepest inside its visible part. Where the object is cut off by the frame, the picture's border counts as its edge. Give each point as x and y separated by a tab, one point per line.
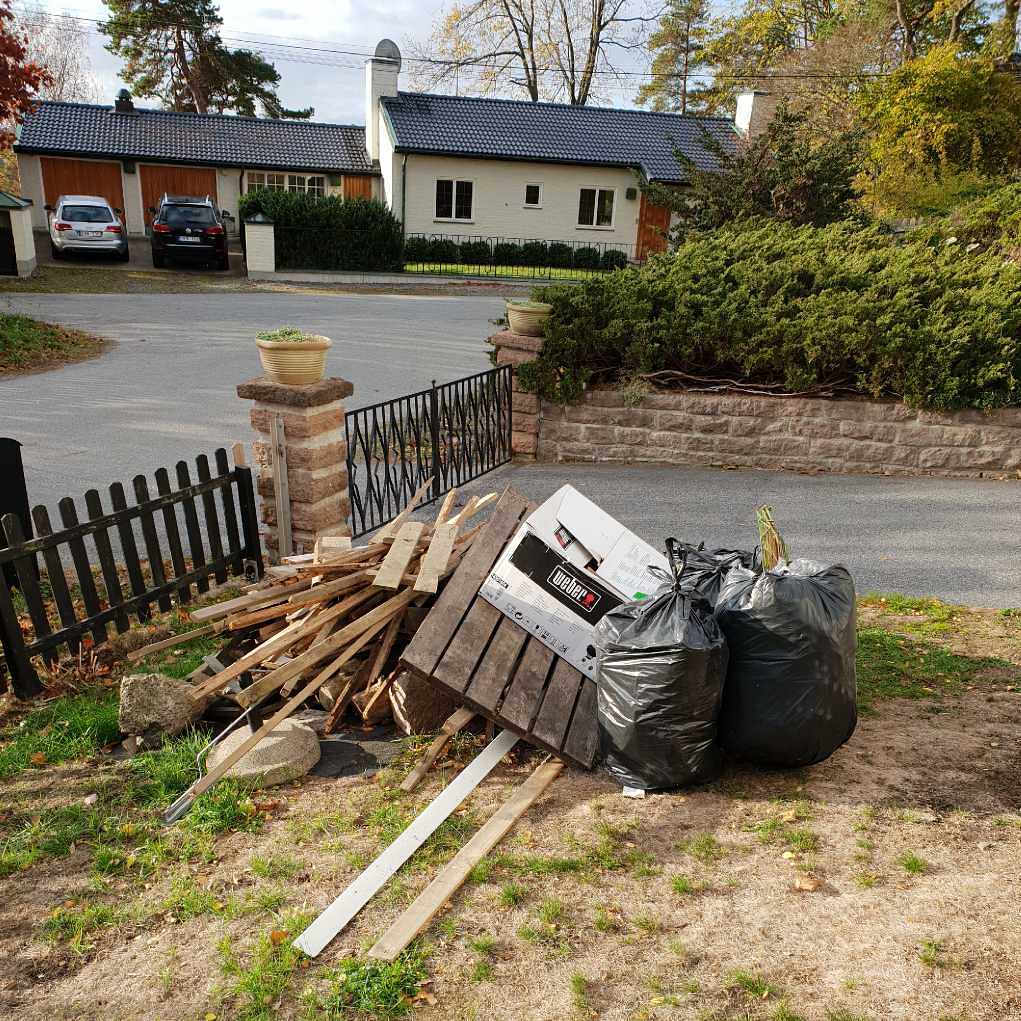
256	981
275	866
912	863
751	984
68	728
931	953
76	925
580	993
894	666
933	615
511	895
27	344
704	848
369	989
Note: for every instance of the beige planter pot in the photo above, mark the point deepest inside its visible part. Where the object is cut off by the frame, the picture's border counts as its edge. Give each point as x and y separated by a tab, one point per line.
528	317
284	361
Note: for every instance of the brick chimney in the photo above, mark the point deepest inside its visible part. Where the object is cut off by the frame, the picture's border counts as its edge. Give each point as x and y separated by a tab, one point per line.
381	71
755	109
123	103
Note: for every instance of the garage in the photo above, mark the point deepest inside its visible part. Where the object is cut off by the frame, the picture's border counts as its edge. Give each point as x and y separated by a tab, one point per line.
82	177
160	180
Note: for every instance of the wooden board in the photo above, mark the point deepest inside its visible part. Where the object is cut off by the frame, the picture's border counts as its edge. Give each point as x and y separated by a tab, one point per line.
485	661
429	902
82	177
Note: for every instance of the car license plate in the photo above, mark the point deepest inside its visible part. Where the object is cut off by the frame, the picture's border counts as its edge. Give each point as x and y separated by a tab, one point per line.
90	233
191	241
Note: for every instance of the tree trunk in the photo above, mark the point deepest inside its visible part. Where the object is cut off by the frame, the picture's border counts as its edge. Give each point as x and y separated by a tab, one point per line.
197	93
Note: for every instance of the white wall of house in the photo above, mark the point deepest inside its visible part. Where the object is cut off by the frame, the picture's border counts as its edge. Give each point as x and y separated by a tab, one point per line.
499	208
131	185
30	170
389	167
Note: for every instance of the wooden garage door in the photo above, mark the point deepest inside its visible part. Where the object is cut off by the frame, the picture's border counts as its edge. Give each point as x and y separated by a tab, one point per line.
157	180
653	226
82	177
357	187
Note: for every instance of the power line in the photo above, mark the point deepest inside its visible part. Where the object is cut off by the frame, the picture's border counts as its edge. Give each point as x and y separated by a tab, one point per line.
301	55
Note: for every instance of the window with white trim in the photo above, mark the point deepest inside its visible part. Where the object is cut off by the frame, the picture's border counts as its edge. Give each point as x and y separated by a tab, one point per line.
311	183
533	196
455	200
595	207
268	182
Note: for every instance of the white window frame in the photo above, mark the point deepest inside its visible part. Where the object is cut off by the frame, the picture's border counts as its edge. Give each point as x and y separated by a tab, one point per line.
283	181
454	218
525	204
598	189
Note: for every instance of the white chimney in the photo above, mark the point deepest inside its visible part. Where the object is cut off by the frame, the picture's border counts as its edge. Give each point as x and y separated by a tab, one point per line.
755	109
381	71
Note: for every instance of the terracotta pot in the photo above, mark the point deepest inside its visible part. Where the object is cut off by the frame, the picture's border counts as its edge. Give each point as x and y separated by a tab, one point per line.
296	364
528	317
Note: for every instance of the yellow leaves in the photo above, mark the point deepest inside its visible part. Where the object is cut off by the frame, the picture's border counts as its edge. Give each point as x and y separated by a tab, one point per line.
38	759
277	936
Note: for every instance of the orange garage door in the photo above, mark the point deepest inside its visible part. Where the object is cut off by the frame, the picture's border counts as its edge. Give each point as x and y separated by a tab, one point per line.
157	180
82	177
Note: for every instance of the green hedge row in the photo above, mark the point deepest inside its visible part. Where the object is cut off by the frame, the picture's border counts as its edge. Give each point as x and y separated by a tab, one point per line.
478	252
328	232
847	305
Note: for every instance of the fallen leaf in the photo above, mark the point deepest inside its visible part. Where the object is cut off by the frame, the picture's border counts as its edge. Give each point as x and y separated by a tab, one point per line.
38	759
277	936
807	884
788	855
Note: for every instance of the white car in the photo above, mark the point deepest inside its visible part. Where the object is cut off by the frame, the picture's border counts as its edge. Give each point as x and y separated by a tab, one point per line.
86	223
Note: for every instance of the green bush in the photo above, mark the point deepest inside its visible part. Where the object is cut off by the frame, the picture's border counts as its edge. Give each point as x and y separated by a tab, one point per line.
328	232
992	221
613	259
560	255
507	254
769	302
443	250
475	253
416	249
535	253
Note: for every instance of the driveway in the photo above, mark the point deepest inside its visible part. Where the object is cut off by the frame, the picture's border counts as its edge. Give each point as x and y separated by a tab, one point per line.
166	389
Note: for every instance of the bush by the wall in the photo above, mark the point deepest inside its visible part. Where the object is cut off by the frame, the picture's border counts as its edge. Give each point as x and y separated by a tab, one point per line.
613	259
843	305
535	253
587	258
443	250
416	249
475	253
507	254
328	232
560	255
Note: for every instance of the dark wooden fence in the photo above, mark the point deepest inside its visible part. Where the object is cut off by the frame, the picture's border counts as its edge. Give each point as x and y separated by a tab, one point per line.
224	503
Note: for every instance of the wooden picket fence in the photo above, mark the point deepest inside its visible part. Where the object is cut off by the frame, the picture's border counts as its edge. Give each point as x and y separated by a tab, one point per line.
224	503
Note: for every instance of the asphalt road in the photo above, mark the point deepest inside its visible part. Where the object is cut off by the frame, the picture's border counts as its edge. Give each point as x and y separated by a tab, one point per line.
166	389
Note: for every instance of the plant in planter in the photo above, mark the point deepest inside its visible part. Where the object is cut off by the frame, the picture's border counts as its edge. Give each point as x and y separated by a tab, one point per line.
291	356
528	317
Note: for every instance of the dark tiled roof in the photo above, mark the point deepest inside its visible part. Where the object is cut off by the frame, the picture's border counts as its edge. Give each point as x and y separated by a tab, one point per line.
218	139
554	133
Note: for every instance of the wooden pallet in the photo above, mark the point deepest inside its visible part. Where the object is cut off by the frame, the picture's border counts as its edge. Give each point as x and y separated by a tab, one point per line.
471	650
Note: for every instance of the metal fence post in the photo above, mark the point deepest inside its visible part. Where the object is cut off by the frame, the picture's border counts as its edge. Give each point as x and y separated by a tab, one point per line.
434	428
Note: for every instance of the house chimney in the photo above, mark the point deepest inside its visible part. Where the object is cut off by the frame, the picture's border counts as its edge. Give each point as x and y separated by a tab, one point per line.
123	103
755	109
381	71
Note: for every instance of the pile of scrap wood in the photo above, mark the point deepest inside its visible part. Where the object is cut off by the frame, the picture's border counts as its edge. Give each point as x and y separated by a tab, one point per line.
331	623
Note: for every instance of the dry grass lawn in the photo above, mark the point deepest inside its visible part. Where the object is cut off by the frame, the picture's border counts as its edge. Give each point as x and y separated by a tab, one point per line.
881	884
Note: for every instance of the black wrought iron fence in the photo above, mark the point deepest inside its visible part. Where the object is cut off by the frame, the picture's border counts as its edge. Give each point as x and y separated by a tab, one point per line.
475	255
448	434
216	535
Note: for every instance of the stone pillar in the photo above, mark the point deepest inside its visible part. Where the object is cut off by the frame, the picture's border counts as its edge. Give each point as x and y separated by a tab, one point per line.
313	421
516	349
24	240
260	246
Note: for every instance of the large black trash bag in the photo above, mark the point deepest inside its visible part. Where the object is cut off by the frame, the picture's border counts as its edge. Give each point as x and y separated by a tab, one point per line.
704	570
660	670
790	696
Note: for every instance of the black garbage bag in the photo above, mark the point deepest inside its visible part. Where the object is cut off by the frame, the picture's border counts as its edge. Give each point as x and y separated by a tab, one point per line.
790	696
704	570
659	672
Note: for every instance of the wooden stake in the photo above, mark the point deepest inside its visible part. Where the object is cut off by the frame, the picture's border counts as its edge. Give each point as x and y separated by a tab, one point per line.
281	492
429	902
436	557
167	643
401	553
394	526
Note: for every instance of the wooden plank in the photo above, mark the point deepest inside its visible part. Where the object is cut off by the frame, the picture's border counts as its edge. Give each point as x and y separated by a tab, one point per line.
427	905
557	705
445	508
468	645
28	580
427	647
191	523
126	534
55	574
211	518
173	534
498	666
152	543
393	527
476	505
436	557
230	515
582	738
111	579
396	562
252	601
281	491
237	451
24	680
524	696
333	920
80	558
455	722
169	643
378	663
325	544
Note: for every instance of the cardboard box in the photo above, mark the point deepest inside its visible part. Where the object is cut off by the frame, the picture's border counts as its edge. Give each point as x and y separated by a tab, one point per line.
567	565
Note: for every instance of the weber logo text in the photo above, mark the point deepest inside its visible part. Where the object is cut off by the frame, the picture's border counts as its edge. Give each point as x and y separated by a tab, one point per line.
577	592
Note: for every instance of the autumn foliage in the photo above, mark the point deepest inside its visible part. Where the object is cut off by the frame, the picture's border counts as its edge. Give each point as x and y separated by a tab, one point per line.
20	79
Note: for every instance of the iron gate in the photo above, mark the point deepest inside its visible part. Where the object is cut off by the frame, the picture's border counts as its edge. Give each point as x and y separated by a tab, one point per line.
450	434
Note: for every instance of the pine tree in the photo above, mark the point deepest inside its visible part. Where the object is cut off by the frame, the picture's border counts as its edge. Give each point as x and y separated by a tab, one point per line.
678	46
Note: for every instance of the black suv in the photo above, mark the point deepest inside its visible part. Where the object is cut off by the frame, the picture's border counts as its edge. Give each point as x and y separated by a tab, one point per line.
188	228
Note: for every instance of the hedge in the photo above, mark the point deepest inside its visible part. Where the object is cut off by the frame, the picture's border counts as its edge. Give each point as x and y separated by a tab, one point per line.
844	305
539	254
328	232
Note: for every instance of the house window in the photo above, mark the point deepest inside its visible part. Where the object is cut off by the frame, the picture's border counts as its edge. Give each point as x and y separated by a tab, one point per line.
315	185
595	207
533	196
454	199
286	182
